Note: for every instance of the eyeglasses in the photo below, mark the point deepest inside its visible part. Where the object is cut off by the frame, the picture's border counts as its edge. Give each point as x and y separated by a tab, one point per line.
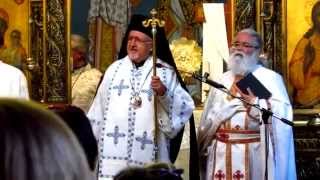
138	40
243	45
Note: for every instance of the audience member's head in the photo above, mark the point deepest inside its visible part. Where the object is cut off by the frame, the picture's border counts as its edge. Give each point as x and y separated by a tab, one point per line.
77	120
165	171
157	171
35	144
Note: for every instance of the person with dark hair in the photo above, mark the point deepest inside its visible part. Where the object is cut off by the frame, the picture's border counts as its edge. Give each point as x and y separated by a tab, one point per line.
13	81
156	171
122	111
35	144
231	132
85	79
78	122
304	66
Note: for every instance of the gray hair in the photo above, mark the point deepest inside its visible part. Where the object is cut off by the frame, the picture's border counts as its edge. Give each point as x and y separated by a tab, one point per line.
253	34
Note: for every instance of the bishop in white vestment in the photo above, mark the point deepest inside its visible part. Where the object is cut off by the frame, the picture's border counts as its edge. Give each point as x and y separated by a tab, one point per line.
122	113
125	130
231	134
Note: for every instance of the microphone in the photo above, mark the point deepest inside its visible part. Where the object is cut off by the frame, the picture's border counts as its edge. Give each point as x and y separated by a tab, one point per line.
208	81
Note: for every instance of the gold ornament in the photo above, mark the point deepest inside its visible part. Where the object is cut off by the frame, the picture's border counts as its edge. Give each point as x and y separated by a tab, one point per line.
187	56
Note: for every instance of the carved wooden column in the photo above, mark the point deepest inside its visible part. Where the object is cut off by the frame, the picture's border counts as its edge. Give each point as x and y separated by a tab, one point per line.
50	50
57	30
271	28
35	51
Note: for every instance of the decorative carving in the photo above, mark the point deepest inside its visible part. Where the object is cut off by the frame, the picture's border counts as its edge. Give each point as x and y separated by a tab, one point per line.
245	14
188	56
268	25
272	28
36	49
280	63
48	50
57	57
165	13
107	49
188	12
307	146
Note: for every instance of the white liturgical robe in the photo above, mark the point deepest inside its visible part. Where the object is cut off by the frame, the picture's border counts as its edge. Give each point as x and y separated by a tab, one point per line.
85	81
235	146
125	128
13	82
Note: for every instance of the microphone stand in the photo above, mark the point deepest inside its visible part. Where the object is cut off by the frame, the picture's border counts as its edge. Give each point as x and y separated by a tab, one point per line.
266	113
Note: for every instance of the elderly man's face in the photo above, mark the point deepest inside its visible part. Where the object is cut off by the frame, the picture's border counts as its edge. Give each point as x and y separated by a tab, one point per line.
139	46
245	43
244	54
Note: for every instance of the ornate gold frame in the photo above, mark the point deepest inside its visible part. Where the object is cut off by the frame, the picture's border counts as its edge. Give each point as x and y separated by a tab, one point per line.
302	116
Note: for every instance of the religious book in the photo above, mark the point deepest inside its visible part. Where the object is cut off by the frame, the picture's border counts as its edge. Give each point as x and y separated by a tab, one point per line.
257	88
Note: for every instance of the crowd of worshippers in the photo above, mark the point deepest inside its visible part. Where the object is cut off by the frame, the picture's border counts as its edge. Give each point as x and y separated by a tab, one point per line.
115	132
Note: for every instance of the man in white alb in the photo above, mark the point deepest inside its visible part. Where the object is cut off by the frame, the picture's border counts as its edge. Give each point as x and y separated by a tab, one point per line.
85	79
230	135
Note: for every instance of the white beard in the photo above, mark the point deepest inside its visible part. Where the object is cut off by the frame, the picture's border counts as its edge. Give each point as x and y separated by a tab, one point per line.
241	64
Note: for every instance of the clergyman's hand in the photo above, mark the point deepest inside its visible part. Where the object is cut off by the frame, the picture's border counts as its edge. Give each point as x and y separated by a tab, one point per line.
250	97
158	87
